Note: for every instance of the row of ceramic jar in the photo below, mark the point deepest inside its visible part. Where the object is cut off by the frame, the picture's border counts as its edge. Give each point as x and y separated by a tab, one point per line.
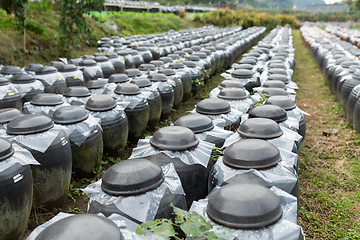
254	154
74	143
174	166
339	62
345	34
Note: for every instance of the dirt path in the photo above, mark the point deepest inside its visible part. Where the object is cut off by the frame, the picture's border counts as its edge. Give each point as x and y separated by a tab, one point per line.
329	173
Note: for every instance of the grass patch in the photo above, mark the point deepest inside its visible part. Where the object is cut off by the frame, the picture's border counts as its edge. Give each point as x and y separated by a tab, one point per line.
329	167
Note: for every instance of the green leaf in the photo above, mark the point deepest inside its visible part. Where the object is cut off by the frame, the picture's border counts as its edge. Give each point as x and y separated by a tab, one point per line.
165	229
191	229
197	218
212	235
179	211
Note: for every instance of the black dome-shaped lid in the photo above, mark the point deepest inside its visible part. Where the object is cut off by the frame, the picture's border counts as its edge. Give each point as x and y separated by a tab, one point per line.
87	63
167	72
8	114
342	59
157	63
142	49
75	61
356	74
88	57
112	55
33	67
277	65
29	124
127	89
141	82
233	94
7	70
174	138
46	99
176	65
194	58
196	48
277	71
67	68
196	122
166	59
155	77
132	177
212	49
147	66
262	128
347	64
22	79
70	115
190	64
277	57
180	53
213	106
250	61
252	54
77	91
207	52
174	56
4	81
242	73
282	101
46	70
251	153
231	84
132	72
244	66
201	55
123	53
118	78
100	103
279	77
95	84
6	149
56	64
82	227
101	59
274	84
275	92
188	50
273	112
244	206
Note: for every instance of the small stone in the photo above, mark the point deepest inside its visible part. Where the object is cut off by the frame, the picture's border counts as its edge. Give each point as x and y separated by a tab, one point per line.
330	132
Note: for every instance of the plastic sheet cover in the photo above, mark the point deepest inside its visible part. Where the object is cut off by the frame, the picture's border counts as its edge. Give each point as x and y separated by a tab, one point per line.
215	92
77	74
285	141
39	141
134	100
23	89
45	110
142	207
230	117
286	228
290	123
150	89
117	219
216	132
51	78
109	116
91	70
278	176
242	105
116	60
106	64
242	80
21	155
82	129
197	155
296	113
4	90
75	100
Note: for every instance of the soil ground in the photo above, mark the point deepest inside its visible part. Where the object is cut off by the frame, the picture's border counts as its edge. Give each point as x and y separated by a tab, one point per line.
329	170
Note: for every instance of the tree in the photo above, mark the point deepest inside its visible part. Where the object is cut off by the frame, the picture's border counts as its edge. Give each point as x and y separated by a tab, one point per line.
72	21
